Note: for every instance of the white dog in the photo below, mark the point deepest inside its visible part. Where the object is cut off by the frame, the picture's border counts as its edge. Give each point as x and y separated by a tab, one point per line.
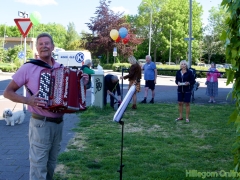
12	118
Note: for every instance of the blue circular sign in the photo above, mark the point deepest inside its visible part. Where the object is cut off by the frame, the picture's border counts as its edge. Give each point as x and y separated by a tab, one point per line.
21	55
79	57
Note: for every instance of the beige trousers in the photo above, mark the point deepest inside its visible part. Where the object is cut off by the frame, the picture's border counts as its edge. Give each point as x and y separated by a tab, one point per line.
44	139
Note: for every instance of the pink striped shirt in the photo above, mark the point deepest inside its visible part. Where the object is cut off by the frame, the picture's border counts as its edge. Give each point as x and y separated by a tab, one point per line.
29	74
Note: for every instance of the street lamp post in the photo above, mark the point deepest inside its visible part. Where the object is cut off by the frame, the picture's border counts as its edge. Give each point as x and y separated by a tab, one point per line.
150	33
150	29
4	34
190	35
170	46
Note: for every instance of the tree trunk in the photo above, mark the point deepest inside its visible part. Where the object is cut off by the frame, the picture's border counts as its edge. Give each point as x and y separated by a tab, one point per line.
155	54
209	58
107	57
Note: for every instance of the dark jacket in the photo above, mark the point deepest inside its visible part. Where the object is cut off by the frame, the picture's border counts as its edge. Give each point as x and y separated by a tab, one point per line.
135	73
109	85
187	77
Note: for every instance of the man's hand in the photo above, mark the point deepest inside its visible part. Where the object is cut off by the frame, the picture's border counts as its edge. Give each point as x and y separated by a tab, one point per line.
36	101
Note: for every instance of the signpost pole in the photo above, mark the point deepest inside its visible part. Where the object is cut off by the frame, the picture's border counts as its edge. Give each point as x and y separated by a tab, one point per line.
25	59
24	25
190	35
170	47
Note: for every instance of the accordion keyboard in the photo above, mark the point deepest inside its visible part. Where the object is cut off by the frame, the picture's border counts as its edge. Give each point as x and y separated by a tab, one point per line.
45	84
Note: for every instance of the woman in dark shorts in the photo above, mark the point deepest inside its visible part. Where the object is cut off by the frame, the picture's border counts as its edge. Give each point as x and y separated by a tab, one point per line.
185	81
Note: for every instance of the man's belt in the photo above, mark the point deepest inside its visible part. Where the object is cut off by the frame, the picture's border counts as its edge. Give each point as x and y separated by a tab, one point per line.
49	119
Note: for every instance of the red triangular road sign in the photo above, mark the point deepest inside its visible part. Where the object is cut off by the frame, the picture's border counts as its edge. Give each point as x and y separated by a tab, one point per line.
24	25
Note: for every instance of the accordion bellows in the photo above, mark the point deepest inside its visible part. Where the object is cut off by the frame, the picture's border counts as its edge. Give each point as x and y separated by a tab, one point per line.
63	89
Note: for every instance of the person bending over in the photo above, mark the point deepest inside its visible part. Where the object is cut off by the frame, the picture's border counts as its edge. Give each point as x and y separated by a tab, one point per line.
111	85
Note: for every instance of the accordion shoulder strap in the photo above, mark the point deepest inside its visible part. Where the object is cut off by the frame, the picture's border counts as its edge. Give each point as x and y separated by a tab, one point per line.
30	92
39	63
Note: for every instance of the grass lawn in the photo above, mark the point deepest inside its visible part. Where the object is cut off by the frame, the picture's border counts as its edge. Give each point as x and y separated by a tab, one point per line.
155	147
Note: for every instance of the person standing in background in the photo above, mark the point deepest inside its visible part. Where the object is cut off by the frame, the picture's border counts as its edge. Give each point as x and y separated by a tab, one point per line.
150	77
134	76
185	81
87	70
212	83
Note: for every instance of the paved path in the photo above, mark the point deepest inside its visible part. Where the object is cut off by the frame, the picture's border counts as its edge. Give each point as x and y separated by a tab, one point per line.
14	163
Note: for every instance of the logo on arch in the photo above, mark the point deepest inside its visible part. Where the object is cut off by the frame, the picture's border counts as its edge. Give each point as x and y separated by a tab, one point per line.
79	57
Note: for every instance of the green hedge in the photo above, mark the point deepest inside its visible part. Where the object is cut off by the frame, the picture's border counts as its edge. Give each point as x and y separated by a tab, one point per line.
8	67
167	70
119	66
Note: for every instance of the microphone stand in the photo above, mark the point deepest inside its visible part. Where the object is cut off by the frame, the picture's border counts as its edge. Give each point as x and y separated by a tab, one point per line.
121	165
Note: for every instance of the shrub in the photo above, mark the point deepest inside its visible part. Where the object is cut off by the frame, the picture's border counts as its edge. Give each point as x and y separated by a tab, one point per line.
8	67
106	66
119	66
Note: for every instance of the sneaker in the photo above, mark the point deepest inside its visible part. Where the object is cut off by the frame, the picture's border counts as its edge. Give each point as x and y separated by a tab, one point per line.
178	119
144	101
152	101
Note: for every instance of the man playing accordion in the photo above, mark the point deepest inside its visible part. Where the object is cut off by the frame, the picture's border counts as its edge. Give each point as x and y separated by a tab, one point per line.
45	127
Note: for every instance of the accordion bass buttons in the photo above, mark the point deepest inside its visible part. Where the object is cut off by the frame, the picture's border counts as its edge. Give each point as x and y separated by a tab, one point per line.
44	85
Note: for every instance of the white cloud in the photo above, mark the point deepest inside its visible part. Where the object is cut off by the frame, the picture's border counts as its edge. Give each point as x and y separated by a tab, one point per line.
38	2
120	9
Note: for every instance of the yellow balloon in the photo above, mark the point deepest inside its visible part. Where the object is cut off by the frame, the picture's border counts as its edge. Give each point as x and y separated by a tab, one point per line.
114	34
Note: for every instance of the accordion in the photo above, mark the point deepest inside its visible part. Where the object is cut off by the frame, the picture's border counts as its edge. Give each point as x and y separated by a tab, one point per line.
63	89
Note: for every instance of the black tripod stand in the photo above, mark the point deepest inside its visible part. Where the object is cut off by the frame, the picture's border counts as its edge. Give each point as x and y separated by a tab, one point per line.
118	118
121	165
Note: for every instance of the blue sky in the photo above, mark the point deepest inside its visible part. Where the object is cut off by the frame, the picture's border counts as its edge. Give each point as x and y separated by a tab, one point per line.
77	11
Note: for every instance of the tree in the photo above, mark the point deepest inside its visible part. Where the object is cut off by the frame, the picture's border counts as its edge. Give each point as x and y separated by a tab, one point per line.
231	38
12	54
57	31
10	31
72	38
170	16
149	14
212	43
99	41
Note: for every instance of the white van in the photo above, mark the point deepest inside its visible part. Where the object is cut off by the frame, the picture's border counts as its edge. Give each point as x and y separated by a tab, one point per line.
72	58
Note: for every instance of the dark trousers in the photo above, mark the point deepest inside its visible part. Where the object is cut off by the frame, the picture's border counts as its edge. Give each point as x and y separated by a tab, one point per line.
111	98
